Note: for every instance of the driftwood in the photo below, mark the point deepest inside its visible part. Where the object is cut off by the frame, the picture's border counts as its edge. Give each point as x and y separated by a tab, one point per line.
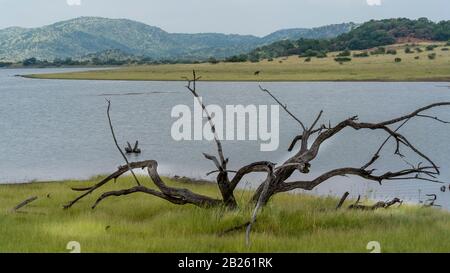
305	148
24	203
378	205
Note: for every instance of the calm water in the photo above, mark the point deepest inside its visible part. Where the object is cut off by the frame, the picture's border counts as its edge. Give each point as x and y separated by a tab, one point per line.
51	130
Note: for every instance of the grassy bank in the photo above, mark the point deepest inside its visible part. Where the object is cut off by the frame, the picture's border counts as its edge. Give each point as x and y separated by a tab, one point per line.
141	223
372	68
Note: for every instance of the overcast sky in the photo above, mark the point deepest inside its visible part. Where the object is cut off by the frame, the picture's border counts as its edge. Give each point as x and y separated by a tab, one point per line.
258	17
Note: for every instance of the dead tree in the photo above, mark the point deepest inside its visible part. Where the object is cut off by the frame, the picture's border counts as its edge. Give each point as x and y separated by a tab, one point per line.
309	142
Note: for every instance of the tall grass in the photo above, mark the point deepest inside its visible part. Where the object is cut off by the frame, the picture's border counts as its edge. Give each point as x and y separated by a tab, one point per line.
142	223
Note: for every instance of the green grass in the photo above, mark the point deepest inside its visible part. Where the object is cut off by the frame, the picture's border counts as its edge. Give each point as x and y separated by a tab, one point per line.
373	68
142	223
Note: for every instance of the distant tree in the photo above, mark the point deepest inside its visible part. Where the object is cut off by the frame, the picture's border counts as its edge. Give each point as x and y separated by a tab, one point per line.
343	59
237	59
253	59
213	60
431	47
5	64
321	54
30	61
363	54
345	53
379	51
391	51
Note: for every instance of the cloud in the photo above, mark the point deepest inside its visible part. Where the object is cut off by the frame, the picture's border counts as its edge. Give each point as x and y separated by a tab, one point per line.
374	2
74	2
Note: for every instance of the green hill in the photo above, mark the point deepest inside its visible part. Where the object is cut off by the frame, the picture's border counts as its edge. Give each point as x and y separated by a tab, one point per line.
371	34
89	35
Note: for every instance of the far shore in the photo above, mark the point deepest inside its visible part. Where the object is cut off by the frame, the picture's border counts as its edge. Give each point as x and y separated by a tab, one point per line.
412	67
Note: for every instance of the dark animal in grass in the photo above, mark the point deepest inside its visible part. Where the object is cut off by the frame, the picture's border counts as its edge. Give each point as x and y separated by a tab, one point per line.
257	73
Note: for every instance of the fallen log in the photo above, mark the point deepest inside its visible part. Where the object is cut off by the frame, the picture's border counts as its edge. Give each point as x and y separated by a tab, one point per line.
378	205
24	203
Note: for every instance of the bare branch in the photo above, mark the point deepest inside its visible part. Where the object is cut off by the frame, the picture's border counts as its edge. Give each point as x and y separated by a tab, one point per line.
192	87
117	145
256	167
284	106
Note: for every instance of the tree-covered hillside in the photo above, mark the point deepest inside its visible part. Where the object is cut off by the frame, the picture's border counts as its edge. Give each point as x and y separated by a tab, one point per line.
372	34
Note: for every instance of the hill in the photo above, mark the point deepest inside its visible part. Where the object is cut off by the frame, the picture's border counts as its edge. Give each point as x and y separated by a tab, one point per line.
371	34
90	35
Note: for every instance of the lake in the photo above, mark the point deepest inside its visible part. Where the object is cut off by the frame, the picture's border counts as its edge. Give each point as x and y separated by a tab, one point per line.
58	129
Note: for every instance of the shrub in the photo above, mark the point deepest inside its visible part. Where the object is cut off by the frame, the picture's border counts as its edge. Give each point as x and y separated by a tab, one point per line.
321	54
237	59
270	60
419	50
391	52
417	57
361	55
408	50
431	47
432	56
445	49
398	60
345	53
378	51
213	60
308	59
343	59
5	64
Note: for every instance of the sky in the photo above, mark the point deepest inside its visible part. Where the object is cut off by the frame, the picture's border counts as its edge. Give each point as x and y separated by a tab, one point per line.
257	17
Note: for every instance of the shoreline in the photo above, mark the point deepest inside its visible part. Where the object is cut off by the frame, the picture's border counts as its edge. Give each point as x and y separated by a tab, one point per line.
419	80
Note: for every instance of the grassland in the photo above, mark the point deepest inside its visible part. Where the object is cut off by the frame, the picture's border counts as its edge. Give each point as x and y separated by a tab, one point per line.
373	68
141	223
